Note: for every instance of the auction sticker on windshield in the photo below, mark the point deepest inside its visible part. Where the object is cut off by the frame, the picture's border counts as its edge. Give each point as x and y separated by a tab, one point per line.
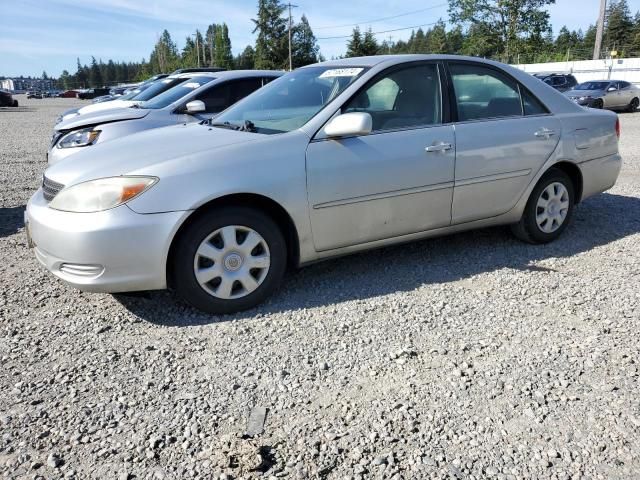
191	85
341	72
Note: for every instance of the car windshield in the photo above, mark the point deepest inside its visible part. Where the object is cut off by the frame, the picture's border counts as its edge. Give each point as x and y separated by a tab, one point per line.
134	92
157	88
176	93
290	101
592	86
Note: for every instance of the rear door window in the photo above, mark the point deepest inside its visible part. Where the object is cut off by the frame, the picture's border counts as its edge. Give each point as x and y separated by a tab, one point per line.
483	92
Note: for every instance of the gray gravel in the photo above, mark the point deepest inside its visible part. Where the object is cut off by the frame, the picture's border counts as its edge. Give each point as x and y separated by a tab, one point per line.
472	356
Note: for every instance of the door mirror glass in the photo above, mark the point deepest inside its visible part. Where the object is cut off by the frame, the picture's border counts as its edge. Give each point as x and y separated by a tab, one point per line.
611	89
195	106
349	125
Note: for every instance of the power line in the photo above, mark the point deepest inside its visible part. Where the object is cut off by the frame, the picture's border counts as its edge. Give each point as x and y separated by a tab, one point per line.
383	31
381	19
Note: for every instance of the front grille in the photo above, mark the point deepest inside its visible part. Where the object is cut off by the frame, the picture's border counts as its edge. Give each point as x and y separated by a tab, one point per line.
50	188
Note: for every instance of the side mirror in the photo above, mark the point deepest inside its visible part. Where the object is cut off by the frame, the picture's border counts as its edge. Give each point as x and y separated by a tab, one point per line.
611	89
349	125
195	106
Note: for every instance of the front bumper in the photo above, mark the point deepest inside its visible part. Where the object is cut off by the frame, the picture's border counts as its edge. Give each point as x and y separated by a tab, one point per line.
585	102
117	250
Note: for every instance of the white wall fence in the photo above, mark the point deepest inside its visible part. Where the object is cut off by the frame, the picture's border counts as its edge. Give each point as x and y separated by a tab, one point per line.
615	69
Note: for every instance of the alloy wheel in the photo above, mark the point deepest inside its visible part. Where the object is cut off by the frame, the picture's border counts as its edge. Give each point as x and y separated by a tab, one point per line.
232	262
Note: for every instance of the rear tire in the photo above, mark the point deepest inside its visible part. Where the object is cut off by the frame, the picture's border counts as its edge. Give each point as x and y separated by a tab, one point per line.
633	106
242	276
548	210
15	103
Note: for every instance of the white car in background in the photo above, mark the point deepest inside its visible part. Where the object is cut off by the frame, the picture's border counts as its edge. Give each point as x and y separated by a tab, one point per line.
134	98
196	99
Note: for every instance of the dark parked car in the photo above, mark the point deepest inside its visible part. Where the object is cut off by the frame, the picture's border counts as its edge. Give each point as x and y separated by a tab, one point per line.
560	81
34	94
6	99
93	93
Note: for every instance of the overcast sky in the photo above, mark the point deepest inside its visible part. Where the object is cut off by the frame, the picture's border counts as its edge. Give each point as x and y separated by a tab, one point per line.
49	35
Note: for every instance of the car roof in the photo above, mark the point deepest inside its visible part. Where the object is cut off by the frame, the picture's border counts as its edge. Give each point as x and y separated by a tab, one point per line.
230	74
191	75
388	60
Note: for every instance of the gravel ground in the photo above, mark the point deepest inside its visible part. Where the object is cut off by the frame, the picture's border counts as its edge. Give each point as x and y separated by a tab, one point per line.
471	356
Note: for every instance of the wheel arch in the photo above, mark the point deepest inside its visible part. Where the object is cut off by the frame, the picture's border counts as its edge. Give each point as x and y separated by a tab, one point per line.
250	200
574	173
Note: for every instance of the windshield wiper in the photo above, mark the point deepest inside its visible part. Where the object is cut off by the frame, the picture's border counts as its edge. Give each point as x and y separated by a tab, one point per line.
247	126
228	125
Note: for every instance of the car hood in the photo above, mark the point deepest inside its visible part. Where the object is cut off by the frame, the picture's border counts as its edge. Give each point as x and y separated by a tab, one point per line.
103	116
584	93
147	152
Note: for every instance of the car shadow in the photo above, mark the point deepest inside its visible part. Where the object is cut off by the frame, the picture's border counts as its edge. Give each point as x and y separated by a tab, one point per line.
11	220
597	221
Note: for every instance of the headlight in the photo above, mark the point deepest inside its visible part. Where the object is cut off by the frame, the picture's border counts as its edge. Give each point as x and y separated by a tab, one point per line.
101	194
586	97
79	138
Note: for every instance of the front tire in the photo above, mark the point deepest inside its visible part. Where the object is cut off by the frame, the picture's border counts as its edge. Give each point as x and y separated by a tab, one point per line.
548	210
15	103
599	104
229	259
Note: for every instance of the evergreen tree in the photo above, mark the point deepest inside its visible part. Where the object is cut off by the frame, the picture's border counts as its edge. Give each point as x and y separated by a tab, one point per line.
455	39
224	57
189	56
369	44
210	42
305	49
634	46
272	41
354	45
65	80
81	78
246	60
436	38
588	42
164	57
618	29
110	76
95	76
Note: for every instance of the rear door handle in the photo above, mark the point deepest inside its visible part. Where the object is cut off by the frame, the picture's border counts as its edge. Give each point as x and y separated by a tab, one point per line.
438	147
545	133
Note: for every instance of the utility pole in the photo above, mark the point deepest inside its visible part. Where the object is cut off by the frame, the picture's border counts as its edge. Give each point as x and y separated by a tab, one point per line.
390	39
290	27
599	30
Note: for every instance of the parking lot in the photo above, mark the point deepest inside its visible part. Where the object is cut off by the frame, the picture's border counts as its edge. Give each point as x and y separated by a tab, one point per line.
471	356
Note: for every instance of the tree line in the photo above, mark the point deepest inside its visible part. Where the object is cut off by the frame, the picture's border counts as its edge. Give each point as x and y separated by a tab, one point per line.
512	31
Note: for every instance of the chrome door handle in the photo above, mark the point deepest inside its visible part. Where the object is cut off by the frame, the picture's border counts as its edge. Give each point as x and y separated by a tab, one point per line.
438	147
545	133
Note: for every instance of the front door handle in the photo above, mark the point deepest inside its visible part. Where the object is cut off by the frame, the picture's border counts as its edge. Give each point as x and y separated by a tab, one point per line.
545	133
438	147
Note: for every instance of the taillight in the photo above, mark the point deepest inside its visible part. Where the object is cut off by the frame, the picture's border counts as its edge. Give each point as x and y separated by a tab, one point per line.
618	128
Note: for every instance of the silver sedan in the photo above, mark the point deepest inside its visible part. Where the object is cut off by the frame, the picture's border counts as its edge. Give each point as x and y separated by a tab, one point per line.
192	100
612	94
330	159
